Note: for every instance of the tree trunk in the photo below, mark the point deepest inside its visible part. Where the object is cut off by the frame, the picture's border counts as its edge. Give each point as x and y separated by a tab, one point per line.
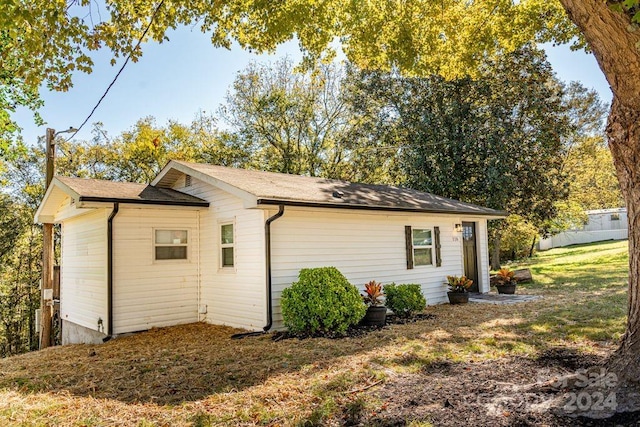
623	131
533	246
495	256
616	50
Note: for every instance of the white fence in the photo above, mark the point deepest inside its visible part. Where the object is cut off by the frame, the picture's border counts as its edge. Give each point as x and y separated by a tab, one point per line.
602	224
579	237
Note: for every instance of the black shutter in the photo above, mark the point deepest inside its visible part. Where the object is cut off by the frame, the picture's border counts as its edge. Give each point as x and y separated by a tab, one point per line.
408	235
436	238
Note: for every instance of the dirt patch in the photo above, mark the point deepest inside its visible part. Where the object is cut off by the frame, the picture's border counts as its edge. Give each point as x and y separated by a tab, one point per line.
506	392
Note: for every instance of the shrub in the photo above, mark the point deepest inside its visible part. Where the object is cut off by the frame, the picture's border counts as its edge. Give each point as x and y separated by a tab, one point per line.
404	300
321	301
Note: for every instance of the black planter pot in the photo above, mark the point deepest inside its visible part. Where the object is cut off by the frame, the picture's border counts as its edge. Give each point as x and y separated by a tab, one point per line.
458	297
376	316
506	289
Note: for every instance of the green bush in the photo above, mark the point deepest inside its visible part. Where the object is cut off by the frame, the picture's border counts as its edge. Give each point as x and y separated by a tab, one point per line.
321	301
404	300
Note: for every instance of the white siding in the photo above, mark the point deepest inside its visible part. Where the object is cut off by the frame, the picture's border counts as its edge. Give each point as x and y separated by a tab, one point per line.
482	248
366	246
83	272
234	297
149	293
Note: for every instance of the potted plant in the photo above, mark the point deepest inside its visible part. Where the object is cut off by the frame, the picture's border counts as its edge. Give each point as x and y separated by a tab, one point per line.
376	314
458	289
505	281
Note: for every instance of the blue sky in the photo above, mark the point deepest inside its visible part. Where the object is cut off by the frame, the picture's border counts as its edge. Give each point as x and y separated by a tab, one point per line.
177	79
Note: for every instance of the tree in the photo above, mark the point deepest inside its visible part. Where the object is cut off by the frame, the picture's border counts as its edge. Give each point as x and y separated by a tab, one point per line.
45	42
138	154
591	175
497	140
300	122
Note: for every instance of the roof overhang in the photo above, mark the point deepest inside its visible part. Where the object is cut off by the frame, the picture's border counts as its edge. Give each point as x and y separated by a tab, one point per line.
296	203
58	192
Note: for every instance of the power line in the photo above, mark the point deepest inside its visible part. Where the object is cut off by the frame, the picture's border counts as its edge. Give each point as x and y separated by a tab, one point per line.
126	61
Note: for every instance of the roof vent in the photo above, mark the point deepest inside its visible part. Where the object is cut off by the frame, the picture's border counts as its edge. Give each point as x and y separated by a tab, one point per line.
338	194
187	181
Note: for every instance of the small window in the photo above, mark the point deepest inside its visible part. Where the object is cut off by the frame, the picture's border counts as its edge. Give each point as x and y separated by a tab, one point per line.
422	243
187	181
227	245
615	216
171	244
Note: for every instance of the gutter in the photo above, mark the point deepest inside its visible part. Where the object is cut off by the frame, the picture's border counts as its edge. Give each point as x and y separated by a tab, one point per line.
116	208
326	205
267	241
116	200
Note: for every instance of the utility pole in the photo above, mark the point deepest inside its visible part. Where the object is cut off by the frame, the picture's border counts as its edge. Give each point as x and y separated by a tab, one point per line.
46	300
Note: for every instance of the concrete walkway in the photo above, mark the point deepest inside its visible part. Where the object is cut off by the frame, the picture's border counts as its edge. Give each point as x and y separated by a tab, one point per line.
494	298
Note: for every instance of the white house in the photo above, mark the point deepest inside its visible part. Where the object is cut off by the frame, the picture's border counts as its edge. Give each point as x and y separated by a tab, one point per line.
602	224
216	244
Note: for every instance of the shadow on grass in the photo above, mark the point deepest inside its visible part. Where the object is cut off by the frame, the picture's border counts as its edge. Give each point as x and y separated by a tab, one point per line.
585	304
191	362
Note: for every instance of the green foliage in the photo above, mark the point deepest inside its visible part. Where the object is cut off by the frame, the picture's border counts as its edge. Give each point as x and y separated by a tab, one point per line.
518	237
592	179
404	300
321	301
459	139
299	122
44	44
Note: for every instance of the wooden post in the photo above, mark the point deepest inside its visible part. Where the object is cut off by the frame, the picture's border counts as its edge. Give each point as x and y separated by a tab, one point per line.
46	305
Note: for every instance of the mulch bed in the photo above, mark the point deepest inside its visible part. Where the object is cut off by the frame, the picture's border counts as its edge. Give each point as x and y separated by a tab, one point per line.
503	392
357	330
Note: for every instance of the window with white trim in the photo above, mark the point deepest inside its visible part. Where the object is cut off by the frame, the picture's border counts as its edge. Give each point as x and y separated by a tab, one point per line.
422	243
227	238
170	244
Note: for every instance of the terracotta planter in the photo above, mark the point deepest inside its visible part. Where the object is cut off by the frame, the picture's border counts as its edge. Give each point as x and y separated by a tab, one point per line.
506	289
458	297
376	315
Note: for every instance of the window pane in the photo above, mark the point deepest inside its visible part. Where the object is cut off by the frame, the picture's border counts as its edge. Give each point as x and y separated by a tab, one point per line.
171	252
227	233
422	257
227	257
171	237
421	237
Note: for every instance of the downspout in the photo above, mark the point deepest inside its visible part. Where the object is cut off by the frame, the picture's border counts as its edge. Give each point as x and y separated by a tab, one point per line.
267	244
116	208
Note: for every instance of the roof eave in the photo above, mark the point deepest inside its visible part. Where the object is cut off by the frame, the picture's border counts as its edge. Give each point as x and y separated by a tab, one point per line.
55	182
489	215
201	204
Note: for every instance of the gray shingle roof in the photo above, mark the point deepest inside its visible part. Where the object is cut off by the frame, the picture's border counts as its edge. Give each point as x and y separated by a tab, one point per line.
96	190
296	190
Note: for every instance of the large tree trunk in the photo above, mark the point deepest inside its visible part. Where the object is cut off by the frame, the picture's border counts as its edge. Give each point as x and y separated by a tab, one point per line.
616	51
623	131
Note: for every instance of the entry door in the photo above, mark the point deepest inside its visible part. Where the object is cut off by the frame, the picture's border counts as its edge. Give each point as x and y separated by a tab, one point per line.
470	253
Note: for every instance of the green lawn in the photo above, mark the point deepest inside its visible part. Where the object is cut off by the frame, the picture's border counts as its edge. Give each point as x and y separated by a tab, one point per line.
196	375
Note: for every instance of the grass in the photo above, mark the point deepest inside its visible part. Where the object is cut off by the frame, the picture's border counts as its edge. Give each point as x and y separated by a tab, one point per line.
196	375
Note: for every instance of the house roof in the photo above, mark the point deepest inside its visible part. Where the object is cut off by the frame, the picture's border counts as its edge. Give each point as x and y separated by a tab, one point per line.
96	190
294	190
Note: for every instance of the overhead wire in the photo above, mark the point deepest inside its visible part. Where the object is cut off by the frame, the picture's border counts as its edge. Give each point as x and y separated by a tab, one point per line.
146	30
